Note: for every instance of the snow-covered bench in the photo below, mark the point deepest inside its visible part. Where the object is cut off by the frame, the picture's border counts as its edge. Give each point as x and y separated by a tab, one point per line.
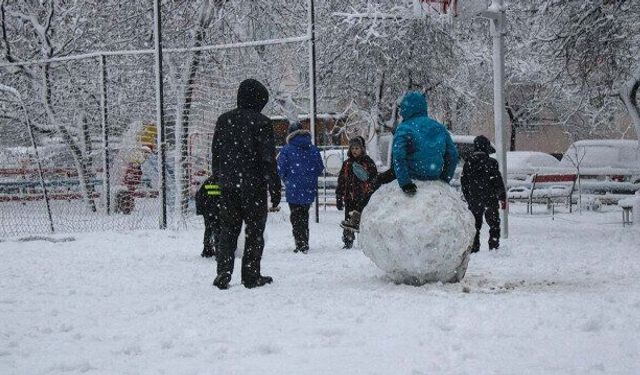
627	209
546	188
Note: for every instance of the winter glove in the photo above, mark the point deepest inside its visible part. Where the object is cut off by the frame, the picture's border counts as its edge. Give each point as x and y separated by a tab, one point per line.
376	183
274	208
410	189
275	201
339	204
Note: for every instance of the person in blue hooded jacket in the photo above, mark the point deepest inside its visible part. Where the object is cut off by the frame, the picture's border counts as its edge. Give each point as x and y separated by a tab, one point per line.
422	147
299	166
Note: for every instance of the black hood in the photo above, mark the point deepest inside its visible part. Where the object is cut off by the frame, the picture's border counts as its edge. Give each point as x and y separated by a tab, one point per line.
482	144
252	95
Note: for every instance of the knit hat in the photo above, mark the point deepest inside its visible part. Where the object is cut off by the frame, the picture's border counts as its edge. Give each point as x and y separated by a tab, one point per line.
482	144
357	141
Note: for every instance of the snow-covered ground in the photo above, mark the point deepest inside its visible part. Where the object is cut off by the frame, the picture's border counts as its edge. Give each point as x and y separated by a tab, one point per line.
561	297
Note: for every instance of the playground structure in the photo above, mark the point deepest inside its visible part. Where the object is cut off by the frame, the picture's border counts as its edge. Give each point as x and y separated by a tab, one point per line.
139	143
32	193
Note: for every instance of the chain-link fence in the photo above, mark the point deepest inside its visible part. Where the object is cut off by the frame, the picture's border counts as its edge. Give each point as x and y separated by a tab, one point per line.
79	146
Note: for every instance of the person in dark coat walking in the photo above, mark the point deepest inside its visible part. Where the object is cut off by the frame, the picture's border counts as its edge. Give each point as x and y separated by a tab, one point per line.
208	205
242	157
483	187
299	166
355	187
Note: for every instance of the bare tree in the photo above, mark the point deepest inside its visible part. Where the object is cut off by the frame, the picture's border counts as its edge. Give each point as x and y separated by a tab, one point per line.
591	50
373	52
41	20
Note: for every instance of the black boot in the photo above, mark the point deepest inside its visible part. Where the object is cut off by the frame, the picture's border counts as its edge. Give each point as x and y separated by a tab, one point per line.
494	243
347	238
208	251
257	282
302	247
222	280
475	247
353	223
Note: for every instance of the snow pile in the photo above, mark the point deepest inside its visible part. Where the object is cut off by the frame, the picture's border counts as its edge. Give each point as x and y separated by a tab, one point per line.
616	154
529	161
421	238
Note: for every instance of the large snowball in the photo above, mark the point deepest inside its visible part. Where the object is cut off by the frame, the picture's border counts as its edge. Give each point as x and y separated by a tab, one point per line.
418	239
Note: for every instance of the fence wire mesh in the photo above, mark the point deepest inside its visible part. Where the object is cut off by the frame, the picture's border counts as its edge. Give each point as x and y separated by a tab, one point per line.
93	161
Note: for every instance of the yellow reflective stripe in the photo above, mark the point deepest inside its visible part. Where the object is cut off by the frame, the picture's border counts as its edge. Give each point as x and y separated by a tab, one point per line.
214	193
208	187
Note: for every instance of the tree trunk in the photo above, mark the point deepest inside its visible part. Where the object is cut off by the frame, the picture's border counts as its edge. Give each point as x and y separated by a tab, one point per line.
182	172
76	151
183	142
515	125
447	118
629	95
88	161
374	126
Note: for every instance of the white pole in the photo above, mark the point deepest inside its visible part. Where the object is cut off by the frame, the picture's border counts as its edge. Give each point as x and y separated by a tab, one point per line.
159	114
495	13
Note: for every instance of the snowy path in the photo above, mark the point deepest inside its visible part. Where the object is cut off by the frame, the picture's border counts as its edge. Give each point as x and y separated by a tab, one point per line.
563	297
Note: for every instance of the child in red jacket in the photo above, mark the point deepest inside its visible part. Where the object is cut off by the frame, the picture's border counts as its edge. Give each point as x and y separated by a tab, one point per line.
355	187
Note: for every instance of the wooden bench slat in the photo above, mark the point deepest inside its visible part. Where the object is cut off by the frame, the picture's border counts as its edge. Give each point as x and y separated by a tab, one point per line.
555	178
537	192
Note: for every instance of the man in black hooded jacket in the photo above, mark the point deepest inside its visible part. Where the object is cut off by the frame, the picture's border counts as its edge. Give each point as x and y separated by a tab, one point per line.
483	187
242	156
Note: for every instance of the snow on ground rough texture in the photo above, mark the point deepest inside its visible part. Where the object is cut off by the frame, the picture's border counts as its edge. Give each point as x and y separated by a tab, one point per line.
421	238
561	297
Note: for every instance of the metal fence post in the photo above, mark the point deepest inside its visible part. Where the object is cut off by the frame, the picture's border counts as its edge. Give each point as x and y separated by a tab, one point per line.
40	174
106	175
160	114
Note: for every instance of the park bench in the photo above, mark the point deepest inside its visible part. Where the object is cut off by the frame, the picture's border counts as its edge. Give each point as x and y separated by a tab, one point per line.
547	188
627	209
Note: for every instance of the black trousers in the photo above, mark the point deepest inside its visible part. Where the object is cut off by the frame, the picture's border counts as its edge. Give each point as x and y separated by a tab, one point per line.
238	206
385	177
492	217
211	232
357	205
300	223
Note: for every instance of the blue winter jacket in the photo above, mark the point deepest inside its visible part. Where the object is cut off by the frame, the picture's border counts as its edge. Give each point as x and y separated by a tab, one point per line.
422	147
299	165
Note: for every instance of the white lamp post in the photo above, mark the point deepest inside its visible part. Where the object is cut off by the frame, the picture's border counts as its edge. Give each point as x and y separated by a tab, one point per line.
495	14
